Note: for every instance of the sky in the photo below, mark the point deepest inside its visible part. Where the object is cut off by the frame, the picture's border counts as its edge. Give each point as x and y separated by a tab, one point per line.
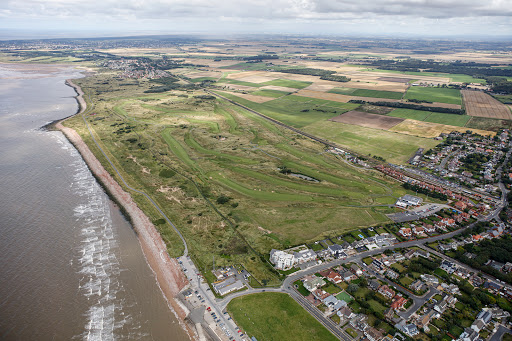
402	18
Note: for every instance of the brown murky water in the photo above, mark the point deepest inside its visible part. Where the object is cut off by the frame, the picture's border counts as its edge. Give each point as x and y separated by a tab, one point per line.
71	267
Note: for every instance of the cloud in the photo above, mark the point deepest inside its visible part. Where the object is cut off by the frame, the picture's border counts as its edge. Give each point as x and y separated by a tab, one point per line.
270	16
262	9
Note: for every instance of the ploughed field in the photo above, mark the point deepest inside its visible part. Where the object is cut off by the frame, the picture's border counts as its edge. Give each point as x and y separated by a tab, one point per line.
481	104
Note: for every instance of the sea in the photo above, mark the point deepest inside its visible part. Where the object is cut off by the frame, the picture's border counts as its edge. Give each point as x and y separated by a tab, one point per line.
71	267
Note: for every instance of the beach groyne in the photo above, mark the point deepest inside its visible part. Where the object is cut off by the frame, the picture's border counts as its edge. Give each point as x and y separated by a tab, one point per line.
167	271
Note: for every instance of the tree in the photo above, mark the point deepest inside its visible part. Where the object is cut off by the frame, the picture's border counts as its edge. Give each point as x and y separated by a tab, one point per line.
352	288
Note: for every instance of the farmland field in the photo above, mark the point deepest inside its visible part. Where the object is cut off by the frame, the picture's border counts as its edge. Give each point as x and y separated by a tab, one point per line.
460	78
270	93
480	104
430	130
432	117
430	94
367	93
288	83
364	119
296	111
393	147
276	316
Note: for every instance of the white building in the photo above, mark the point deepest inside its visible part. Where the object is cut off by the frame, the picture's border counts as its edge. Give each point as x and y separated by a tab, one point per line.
408	201
282	260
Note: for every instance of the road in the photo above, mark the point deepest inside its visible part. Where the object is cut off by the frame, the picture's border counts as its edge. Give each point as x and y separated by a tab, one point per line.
498	336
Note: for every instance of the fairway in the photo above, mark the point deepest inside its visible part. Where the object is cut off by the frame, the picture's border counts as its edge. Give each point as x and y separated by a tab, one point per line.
276	316
430	94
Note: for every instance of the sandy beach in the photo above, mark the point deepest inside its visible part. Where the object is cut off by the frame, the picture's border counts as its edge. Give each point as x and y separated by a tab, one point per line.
167	271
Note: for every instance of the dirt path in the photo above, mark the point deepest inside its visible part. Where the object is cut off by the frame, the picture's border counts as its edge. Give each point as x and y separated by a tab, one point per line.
168	273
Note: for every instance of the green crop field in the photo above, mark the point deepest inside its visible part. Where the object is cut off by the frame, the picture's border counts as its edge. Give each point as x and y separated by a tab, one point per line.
367	93
393	147
237	82
276	316
288	83
442	95
448	119
411	114
269	93
432	117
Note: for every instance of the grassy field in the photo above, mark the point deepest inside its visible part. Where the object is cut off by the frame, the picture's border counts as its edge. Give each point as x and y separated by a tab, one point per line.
433	117
367	93
442	95
276	316
296	111
393	147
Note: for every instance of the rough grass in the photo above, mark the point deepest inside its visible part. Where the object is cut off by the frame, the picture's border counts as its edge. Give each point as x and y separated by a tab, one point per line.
276	316
442	95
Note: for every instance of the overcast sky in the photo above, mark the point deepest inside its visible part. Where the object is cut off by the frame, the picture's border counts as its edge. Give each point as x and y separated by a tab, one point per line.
70	18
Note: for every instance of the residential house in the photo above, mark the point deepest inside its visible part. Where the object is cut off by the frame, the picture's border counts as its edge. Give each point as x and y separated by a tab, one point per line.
418	230
429	228
374	284
450	288
320	294
492	286
410	330
304	256
469	334
398	302
356	269
359	322
313	283
372	334
392	274
345	313
335	250
334	277
348	276
447	266
417	285
430	279
333	303
424	320
405	232
441	306
386	291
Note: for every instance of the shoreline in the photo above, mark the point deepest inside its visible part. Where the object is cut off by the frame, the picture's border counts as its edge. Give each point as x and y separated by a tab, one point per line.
168	274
